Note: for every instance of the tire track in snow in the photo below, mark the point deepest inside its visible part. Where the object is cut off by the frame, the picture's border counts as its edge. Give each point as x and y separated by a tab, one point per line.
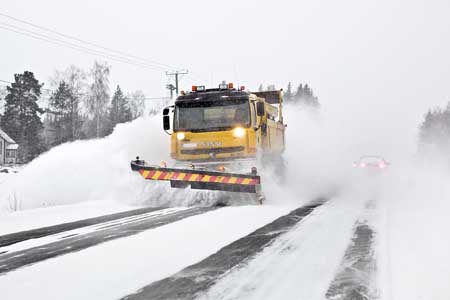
17	259
12	238
197	278
356	275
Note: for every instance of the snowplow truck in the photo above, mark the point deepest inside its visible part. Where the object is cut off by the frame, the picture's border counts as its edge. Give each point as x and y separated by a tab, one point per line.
218	137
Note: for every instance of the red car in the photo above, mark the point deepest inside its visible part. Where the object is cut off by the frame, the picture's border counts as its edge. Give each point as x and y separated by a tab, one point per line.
371	162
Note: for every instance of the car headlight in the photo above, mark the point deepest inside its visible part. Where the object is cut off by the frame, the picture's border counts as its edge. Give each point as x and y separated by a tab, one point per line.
239	132
181	136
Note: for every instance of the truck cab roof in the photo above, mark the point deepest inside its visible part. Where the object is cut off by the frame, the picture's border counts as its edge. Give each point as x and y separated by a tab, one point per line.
212	95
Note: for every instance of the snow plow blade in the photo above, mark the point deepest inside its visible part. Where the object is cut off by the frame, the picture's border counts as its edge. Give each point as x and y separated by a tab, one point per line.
200	179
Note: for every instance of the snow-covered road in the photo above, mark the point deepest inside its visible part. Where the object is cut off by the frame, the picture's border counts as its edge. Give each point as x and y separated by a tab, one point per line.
300	264
116	268
37	249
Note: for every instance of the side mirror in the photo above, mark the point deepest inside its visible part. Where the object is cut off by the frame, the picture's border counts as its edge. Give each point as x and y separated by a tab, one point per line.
166	122
260	109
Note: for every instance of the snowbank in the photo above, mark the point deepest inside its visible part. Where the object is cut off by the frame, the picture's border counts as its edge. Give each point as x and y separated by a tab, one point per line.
88	170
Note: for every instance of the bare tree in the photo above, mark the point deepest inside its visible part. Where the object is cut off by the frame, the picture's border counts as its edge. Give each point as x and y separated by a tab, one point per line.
74	77
98	98
3	93
137	103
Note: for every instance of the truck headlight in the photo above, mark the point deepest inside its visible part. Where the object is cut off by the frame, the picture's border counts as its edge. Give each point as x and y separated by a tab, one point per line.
181	136
239	132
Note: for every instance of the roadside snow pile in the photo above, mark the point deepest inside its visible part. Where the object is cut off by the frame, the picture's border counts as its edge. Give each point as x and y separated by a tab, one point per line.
87	170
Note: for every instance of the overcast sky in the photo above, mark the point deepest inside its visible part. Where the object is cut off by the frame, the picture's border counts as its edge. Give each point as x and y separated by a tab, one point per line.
384	56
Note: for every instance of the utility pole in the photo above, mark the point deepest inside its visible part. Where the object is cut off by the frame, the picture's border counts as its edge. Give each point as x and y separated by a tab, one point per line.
171	88
176	74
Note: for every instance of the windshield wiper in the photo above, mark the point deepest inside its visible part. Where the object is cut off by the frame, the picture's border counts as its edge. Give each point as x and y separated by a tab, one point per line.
210	129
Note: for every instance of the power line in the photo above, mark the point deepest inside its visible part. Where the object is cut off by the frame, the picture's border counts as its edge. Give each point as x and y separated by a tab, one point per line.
66	44
156	98
86	94
87	47
9	82
87	42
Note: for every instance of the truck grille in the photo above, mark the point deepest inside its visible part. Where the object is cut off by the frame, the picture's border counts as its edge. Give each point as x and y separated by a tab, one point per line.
213	150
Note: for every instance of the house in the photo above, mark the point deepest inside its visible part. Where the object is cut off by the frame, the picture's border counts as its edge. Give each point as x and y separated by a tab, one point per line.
8	149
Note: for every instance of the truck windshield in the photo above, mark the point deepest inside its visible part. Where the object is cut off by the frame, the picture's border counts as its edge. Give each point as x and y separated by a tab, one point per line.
212	115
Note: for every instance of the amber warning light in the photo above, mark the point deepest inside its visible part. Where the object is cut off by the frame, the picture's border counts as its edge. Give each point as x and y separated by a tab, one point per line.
198	88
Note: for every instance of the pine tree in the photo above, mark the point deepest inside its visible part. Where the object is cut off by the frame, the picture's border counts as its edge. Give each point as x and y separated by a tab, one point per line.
260	88
304	95
21	119
288	93
435	130
119	111
299	94
64	105
271	87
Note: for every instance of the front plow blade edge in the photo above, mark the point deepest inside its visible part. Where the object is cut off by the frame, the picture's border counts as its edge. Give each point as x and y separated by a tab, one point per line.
200	179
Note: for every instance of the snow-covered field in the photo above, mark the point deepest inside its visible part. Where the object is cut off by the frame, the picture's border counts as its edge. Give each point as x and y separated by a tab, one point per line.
414	241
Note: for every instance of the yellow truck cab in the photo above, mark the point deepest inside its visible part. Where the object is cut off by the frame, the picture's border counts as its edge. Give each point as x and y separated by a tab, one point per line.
218	136
225	124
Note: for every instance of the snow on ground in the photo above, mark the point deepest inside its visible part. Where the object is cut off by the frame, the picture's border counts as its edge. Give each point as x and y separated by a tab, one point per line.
47	216
7	172
116	268
414	241
3	177
88	170
300	264
48	239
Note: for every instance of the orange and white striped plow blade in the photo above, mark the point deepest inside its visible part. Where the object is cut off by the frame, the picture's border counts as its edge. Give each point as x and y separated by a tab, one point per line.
192	176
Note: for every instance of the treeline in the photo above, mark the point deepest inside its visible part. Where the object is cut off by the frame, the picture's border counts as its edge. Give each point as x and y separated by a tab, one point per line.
302	95
78	105
434	132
